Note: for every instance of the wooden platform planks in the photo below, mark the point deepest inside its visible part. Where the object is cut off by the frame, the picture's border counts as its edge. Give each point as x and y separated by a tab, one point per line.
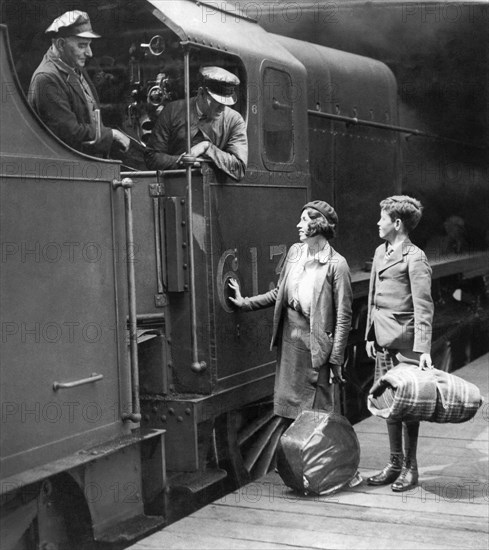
449	509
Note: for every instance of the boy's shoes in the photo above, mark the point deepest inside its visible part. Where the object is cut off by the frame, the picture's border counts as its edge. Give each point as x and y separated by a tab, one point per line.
390	473
407	480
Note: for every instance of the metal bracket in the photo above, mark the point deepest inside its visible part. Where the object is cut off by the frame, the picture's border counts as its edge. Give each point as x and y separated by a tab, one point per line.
156	189
179	419
161	300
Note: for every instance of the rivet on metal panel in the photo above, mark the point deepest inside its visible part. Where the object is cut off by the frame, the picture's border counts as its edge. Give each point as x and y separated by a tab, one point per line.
163	417
171	411
154	408
184	245
185	287
146	417
161	300
179	419
182	201
187	411
185	266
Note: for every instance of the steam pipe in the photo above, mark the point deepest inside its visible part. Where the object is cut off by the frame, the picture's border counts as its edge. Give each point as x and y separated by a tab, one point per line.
401	129
196	366
135	414
159	267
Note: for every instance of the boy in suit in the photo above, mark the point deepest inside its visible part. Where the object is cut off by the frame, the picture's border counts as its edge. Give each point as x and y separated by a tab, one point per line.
399	323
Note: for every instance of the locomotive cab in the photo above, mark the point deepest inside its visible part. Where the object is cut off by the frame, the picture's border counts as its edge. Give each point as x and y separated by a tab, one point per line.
196	228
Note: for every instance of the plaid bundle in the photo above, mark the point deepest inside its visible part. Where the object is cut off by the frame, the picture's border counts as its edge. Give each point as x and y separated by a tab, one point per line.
410	394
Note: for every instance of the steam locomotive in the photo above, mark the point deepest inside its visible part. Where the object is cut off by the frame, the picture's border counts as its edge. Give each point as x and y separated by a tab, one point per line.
132	391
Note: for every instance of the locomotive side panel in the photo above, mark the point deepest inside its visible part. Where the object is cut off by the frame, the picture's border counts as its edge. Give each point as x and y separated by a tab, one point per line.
61	328
63	354
249	244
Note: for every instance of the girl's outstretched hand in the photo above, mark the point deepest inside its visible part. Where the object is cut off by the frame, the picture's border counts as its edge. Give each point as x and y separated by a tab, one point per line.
238	300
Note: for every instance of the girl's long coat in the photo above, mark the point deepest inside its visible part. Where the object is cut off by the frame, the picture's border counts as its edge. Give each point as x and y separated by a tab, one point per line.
330	319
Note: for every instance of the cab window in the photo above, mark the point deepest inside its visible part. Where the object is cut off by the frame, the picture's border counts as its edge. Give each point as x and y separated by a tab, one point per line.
278	131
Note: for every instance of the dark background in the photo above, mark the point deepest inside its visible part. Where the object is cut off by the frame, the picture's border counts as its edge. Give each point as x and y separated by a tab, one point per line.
439	54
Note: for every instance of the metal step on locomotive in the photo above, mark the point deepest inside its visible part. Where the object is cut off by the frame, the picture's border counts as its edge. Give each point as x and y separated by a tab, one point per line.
132	391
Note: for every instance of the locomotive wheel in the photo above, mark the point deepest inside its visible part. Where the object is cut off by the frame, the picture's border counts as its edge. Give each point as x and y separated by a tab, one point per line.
247	440
59	521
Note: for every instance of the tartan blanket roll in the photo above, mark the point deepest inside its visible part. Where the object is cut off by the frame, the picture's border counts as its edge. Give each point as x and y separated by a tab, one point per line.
410	394
457	399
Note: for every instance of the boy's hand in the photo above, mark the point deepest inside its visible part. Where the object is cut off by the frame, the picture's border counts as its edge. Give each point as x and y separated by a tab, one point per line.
425	361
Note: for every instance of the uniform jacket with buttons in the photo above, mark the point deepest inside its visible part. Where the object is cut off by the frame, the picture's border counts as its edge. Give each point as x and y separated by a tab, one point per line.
227	135
56	94
400	307
330	319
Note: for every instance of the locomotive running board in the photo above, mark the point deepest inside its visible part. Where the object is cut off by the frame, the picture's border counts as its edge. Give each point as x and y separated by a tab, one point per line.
75	460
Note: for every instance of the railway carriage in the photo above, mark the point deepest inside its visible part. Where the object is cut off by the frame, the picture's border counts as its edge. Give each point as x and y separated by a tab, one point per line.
132	391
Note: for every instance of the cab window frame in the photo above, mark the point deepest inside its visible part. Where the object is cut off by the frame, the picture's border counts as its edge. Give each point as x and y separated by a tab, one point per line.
284	101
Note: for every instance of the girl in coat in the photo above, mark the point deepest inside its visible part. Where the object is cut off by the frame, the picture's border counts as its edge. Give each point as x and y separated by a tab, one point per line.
312	316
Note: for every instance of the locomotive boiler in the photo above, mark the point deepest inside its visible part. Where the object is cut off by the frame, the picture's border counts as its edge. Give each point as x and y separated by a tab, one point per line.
132	391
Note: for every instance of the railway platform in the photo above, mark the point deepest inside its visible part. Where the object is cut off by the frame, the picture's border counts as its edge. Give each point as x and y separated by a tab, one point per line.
449	509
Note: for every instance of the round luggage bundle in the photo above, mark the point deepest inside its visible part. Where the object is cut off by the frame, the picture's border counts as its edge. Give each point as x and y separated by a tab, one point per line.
319	453
408	393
